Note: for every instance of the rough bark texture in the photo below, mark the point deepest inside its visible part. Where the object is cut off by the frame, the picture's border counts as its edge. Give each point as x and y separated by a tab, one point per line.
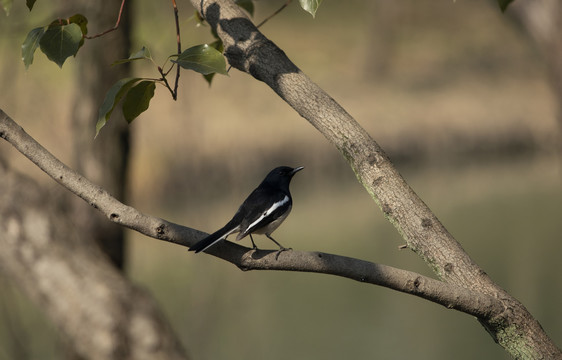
101	314
250	51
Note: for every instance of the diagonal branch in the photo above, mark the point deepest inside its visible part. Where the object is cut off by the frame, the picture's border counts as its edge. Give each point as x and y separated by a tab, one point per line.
94	195
248	50
451	296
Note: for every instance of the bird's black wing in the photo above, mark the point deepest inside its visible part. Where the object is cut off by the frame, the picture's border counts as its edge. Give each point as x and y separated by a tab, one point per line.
263	206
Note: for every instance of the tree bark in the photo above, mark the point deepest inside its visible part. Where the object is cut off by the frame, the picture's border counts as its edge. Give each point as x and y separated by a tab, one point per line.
101	314
250	51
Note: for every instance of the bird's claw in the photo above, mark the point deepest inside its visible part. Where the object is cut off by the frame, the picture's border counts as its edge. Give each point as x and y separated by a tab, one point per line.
281	249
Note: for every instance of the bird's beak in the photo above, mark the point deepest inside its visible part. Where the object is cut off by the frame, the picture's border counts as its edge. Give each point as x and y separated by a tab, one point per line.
297	169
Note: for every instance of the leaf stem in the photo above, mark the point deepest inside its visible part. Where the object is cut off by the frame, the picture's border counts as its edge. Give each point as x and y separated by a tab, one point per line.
275	13
113	28
166	83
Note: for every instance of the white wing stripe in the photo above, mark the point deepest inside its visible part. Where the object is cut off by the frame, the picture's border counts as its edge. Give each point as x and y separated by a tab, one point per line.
269	211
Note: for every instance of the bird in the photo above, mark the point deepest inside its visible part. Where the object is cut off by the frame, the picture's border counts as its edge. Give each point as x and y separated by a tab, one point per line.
261	213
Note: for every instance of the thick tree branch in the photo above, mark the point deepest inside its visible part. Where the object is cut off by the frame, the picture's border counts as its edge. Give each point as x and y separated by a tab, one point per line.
451	296
248	50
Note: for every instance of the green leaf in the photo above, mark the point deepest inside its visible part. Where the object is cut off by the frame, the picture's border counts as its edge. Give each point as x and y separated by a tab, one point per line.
202	58
218	45
310	6
58	22
81	21
61	41
30	4
7	6
209	78
247	5
137	99
143	53
30	45
504	4
112	97
198	19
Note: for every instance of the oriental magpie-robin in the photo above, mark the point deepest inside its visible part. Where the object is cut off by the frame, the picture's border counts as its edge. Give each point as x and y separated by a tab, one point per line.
261	213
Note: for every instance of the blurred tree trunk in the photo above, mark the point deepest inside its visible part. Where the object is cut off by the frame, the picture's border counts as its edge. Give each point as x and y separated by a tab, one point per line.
542	19
381	49
105	160
101	314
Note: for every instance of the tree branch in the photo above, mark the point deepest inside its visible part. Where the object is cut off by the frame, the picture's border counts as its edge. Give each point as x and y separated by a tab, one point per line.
451	296
94	195
248	50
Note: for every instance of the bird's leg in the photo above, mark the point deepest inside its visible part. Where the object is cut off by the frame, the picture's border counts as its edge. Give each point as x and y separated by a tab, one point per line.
281	247
253	243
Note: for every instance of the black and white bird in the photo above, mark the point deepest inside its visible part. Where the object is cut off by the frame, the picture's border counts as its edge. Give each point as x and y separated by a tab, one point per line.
261	213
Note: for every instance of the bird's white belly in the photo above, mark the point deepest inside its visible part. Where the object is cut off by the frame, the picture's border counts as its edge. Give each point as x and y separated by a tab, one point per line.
272	225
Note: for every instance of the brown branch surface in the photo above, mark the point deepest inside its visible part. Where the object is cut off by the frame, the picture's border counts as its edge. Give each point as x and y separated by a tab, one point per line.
248	50
449	295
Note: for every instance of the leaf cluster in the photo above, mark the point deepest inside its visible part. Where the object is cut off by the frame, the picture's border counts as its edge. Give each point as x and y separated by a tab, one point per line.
63	37
59	40
137	92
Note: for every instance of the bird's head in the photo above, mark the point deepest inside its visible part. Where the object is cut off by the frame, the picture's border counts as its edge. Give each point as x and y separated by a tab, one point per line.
282	175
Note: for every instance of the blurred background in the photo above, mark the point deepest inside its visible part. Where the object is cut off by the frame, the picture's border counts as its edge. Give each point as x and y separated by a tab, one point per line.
457	93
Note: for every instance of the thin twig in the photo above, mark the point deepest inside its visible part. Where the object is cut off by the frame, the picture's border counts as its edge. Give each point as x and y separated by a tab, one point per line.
166	83
113	28
275	13
175	92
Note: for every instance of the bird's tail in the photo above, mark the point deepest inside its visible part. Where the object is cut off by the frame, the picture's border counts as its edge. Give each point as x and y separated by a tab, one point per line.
214	238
